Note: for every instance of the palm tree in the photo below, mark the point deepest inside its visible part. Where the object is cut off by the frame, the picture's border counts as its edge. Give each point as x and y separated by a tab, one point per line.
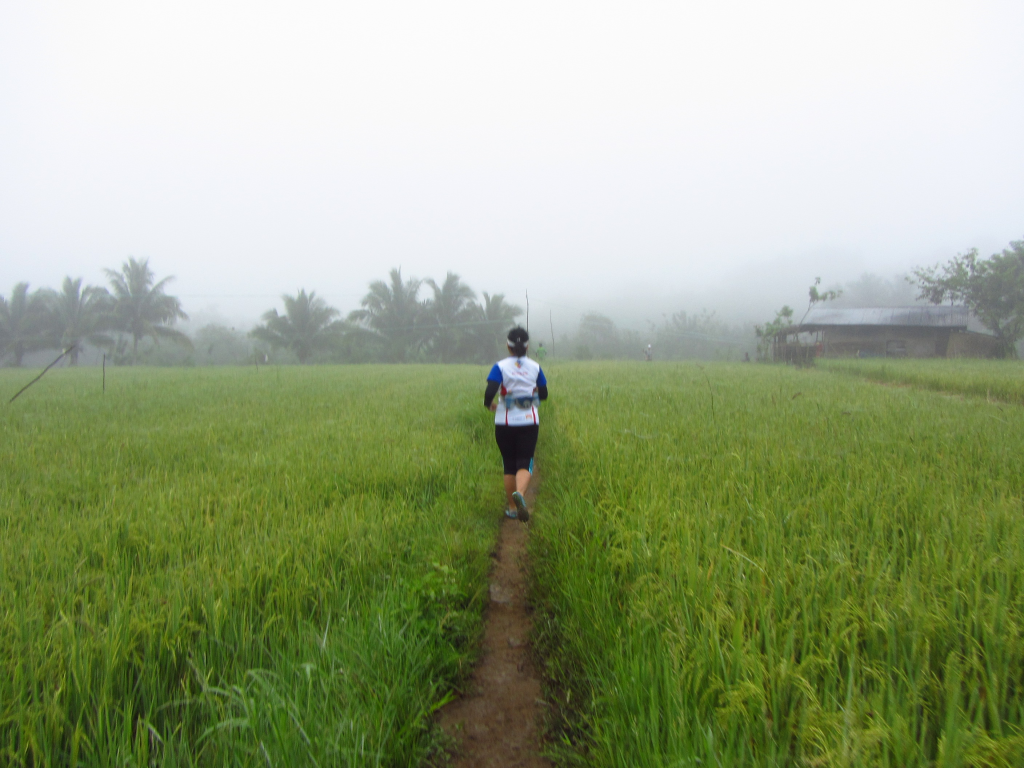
393	312
307	326
75	315
492	320
140	306
21	323
448	314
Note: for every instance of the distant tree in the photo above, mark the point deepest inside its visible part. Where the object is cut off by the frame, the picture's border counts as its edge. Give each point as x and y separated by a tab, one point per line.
307	326
992	289
446	318
768	332
74	315
141	308
219	345
491	319
22	323
702	336
393	312
597	337
871	290
818	297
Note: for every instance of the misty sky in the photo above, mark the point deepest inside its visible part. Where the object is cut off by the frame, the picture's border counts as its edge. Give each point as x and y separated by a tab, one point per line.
654	152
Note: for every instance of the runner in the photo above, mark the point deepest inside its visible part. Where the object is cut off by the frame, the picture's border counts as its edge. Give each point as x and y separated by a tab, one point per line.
522	385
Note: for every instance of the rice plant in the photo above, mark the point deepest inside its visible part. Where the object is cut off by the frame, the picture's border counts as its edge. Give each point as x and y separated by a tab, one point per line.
753	565
239	567
1001	380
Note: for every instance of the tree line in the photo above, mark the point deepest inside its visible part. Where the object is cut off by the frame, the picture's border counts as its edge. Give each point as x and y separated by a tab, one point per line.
683	336
134	307
393	324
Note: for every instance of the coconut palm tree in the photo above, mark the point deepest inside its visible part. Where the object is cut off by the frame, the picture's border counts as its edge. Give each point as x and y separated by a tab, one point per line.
448	315
140	306
492	319
393	312
21	323
75	315
307	325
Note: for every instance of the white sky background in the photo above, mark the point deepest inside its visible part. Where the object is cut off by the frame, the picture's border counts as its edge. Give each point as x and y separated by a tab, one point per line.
680	155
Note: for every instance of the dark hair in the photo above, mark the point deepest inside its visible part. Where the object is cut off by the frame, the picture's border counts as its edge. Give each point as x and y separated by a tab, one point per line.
518	340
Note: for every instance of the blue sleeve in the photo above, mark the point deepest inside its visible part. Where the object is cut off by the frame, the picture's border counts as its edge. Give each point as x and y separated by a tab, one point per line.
541	381
495	375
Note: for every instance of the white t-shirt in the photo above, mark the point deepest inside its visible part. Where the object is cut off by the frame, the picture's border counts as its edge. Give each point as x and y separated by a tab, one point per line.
517	398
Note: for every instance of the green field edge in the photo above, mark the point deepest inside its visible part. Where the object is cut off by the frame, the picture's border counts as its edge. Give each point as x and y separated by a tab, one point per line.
996	392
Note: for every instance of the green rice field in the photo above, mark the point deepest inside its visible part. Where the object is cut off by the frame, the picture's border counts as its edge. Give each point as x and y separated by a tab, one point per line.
733	565
231	567
756	565
1001	380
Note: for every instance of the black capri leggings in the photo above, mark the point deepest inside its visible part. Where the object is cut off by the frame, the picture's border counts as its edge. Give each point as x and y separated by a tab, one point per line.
517	445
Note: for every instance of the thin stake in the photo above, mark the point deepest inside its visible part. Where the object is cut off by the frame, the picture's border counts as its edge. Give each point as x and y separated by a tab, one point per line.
712	391
37	378
104	372
550	320
527	311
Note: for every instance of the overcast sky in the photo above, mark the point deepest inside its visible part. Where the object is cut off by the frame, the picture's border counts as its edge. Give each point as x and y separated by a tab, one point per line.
586	151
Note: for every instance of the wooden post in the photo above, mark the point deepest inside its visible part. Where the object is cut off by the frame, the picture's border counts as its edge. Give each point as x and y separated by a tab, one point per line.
104	372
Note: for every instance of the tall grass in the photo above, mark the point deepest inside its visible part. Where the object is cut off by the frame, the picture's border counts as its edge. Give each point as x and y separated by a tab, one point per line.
1001	380
232	567
750	565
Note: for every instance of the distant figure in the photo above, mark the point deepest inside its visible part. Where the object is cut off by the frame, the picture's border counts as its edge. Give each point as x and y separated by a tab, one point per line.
649	354
746	357
522	385
541	352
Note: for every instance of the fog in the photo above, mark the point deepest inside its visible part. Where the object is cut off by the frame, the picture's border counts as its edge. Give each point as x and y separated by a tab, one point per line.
631	159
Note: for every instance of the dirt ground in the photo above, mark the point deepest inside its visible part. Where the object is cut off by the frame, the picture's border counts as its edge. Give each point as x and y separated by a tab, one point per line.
497	723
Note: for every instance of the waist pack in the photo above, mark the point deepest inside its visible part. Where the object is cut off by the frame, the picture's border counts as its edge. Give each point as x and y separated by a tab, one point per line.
524	403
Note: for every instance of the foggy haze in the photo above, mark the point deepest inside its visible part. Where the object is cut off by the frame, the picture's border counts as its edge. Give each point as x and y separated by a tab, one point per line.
631	159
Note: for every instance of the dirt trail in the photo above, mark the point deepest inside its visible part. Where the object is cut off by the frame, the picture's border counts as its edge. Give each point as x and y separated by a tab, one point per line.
498	721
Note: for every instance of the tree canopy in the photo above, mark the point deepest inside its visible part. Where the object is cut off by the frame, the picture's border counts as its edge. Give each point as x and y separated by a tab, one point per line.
140	306
307	326
448	316
76	314
992	289
392	325
21	323
450	326
491	318
393	311
768	332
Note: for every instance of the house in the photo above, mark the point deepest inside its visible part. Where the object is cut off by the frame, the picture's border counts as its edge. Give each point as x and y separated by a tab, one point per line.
922	331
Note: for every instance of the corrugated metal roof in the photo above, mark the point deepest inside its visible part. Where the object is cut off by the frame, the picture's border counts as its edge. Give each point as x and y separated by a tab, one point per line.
921	317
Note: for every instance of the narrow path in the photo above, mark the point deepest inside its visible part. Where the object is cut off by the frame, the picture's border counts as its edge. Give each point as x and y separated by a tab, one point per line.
498	721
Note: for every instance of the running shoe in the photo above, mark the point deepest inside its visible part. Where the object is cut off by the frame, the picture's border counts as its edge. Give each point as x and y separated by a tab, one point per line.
510	514
521	511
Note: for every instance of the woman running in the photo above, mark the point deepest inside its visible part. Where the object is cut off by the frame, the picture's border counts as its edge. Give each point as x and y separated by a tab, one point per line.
522	386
